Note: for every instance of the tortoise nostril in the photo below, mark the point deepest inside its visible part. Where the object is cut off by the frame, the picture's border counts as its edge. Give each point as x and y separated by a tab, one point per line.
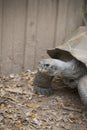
40	63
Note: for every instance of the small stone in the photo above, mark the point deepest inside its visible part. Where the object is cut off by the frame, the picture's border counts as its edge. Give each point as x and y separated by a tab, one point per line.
37	121
12	76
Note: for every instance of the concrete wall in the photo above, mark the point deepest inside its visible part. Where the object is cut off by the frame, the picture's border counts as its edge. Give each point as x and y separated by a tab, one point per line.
29	27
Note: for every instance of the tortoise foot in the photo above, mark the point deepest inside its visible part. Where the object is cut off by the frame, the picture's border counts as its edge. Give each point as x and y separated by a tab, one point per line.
43	91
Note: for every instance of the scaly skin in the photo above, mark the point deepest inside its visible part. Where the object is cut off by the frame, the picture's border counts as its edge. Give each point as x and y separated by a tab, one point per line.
42	84
82	89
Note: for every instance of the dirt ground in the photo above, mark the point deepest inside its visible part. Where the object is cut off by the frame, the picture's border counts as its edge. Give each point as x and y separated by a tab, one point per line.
21	109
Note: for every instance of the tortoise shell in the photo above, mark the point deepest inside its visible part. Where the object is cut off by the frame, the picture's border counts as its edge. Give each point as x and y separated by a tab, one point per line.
74	47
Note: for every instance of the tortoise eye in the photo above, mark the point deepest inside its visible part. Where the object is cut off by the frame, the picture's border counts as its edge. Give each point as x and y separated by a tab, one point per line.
46	65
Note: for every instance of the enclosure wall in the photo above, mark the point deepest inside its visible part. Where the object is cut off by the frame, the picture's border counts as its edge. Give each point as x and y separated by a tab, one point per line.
29	27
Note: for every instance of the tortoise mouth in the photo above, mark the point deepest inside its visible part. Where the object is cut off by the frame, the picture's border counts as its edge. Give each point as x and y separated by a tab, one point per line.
42	70
60	54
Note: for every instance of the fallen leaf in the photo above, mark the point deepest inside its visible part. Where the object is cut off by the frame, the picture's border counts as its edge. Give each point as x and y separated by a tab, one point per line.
15	90
33	105
1	117
6	128
37	121
19	125
58	129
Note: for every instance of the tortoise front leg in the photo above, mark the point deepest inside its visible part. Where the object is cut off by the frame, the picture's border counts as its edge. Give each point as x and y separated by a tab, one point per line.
42	84
82	89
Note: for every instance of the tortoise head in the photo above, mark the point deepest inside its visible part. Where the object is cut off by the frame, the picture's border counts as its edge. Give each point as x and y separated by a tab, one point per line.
52	67
48	66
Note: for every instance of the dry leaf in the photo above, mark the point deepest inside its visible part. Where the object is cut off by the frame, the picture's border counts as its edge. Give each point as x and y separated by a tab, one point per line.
37	121
19	125
1	118
58	129
33	115
15	90
6	128
33	105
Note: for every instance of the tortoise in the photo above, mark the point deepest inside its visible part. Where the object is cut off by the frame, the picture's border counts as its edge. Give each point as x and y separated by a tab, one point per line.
67	61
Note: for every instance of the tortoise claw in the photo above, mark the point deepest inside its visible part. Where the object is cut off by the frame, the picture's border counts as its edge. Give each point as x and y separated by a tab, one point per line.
43	91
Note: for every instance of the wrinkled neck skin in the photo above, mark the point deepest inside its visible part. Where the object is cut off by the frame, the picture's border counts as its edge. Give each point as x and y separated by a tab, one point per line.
54	67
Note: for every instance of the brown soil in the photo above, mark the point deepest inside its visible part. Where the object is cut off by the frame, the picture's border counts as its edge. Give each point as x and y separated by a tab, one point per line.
20	109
